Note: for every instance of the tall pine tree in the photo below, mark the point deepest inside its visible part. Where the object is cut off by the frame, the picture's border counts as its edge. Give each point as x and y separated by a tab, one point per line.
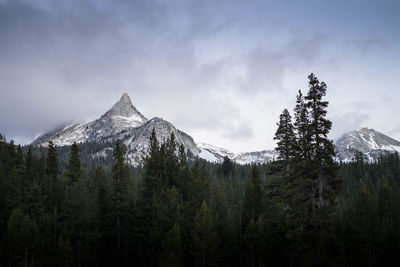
325	186
285	140
120	176
74	171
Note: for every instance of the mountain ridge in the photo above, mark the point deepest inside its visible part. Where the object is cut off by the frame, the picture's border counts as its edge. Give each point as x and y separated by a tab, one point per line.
124	122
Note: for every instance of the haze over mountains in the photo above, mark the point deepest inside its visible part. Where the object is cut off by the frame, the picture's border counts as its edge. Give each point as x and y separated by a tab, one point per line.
124	122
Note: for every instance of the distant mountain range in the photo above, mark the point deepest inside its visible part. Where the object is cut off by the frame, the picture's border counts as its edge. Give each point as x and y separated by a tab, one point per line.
124	122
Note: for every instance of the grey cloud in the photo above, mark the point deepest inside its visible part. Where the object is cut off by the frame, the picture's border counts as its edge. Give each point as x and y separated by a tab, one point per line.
71	60
267	67
348	121
394	131
365	44
240	132
60	55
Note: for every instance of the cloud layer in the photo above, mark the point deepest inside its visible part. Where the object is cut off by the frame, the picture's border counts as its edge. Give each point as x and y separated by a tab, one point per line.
220	70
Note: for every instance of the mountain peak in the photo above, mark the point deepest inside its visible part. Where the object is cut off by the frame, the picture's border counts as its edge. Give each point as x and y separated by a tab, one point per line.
366	130
367	141
125	109
125	99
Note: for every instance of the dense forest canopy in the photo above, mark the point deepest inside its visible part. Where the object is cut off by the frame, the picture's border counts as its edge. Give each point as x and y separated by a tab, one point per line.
57	208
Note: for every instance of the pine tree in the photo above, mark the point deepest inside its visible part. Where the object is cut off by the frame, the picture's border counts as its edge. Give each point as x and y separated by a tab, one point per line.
78	207
183	176
74	170
389	221
12	179
30	165
171	163
36	210
150	192
253	199
228	226
23	185
309	187
20	232
120	173
168	217
302	128
252	242
52	165
322	152
227	167
52	191
286	140
41	172
152	180
205	239
101	193
364	224
172	251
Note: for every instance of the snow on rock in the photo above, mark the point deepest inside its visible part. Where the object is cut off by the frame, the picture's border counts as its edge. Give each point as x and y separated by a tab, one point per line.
371	143
124	122
208	156
259	157
121	118
216	154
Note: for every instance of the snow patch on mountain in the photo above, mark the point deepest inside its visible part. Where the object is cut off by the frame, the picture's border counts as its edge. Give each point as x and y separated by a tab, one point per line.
208	156
216	154
371	143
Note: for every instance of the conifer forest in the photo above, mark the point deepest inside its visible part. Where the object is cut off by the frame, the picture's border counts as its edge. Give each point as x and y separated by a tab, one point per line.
59	207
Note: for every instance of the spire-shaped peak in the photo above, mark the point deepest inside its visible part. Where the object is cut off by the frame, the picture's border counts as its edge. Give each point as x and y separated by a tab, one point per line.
125	110
125	99
123	107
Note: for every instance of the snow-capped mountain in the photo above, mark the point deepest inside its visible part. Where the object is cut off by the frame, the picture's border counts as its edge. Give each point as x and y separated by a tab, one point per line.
119	120
137	141
371	143
213	154
216	154
122	122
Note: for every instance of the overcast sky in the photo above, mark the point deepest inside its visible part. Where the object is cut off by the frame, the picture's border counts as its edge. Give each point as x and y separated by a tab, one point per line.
222	71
